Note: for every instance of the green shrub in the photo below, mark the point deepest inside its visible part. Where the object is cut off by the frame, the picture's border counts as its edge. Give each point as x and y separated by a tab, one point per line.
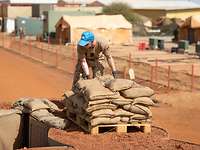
123	9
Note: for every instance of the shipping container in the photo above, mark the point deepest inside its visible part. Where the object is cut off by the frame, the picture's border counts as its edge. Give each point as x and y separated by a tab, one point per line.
8	25
30	26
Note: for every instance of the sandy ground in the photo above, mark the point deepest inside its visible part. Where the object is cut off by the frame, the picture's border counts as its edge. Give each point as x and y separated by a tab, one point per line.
21	77
179	114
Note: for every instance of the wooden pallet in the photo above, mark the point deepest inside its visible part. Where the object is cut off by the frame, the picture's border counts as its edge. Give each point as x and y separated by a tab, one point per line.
119	128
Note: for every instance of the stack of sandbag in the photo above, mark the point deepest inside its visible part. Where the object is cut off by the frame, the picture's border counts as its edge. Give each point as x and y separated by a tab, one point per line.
110	101
42	110
11	129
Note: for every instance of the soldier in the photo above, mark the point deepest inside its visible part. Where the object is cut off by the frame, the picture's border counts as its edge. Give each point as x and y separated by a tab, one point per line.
91	51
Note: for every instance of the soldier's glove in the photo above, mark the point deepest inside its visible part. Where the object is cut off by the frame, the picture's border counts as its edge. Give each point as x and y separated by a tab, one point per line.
114	73
87	77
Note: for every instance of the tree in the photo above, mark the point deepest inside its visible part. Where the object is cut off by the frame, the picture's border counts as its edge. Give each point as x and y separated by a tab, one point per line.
123	9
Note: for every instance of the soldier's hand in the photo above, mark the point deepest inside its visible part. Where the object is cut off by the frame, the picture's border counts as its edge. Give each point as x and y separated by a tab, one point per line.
114	73
88	77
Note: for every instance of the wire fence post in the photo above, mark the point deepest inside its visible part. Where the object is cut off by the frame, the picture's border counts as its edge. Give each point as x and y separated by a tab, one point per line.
42	55
151	75
56	57
29	52
124	72
48	42
10	41
192	78
129	60
20	45
168	77
3	40
156	69
73	55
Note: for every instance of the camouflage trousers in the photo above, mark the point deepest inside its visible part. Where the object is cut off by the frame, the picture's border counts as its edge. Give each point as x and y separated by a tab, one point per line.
97	68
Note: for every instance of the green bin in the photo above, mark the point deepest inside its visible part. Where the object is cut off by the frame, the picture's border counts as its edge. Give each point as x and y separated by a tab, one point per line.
183	44
153	43
161	44
197	49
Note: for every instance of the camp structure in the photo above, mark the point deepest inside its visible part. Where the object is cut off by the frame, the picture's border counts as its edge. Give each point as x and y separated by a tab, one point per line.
190	29
114	28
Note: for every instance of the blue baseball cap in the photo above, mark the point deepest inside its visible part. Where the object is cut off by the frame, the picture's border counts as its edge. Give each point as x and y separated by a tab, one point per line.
86	38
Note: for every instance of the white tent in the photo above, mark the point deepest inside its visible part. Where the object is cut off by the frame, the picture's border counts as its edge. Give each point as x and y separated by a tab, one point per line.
115	28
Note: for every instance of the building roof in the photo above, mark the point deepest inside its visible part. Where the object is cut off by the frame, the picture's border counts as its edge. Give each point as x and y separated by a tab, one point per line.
30	1
92	22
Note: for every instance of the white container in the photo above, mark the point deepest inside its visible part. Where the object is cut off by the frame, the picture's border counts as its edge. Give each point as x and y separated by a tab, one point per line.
9	25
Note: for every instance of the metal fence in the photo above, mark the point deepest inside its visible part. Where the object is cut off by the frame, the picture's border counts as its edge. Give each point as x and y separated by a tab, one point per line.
64	58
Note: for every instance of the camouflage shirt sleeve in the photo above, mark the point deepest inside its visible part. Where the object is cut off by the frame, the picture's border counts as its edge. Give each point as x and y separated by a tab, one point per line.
81	52
105	49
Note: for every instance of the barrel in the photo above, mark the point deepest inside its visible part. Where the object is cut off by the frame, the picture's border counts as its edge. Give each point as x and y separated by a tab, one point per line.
161	44
183	44
197	49
153	43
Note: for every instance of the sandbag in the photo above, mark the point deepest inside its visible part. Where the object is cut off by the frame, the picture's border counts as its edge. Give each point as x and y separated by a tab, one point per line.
4	112
124	119
138	109
137	117
102	112
35	104
97	102
100	106
121	101
54	121
104	120
119	84
105	78
49	119
41	113
67	94
94	90
121	112
146	101
50	104
136	92
19	105
11	131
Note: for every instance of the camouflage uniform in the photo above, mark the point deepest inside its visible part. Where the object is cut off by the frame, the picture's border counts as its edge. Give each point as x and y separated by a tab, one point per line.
94	57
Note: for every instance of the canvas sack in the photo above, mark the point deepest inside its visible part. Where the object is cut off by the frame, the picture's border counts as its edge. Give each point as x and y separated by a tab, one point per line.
104	120
146	101
119	84
94	90
136	92
138	109
101	106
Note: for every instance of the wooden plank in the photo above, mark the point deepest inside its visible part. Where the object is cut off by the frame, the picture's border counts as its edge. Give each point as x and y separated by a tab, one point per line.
94	130
119	128
147	128
122	129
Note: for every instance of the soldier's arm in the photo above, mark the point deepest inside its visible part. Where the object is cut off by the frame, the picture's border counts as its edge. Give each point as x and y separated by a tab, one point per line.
110	60
85	66
82	59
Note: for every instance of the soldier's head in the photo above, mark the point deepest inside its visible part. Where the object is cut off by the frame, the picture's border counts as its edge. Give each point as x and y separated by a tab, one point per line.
87	39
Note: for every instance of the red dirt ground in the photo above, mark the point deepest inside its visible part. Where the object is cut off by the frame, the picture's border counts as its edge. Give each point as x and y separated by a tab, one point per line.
22	77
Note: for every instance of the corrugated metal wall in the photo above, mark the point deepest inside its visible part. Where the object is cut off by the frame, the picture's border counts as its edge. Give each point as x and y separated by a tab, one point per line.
31	26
